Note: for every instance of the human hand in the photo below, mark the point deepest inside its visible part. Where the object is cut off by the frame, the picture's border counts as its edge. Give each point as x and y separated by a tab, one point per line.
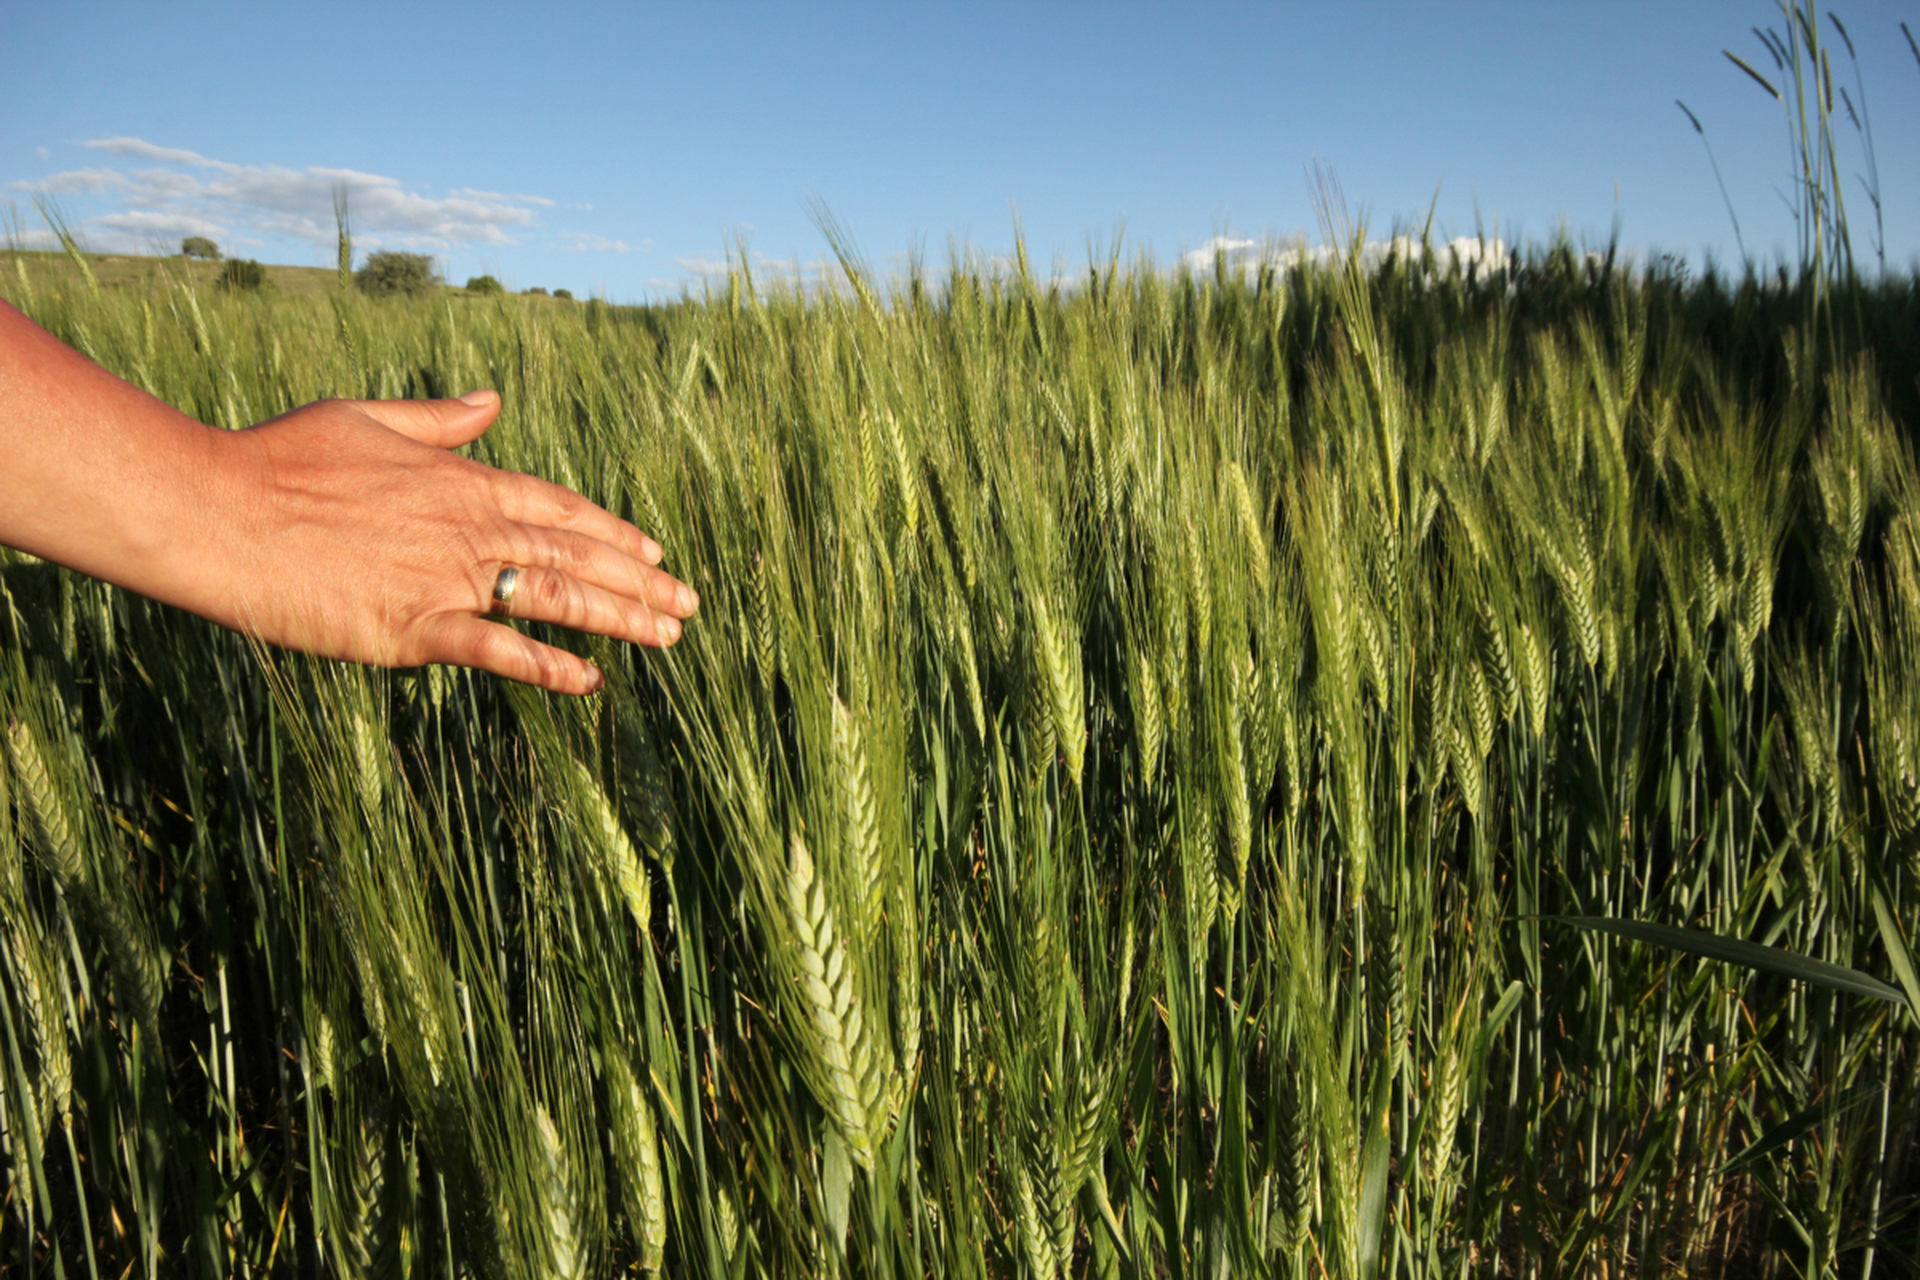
350	529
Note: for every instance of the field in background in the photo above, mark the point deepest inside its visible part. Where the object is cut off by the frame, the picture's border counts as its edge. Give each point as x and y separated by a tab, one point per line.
1111	816
116	272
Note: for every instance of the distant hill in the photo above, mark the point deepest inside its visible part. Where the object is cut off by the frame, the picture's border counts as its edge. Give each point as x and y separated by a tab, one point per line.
119	270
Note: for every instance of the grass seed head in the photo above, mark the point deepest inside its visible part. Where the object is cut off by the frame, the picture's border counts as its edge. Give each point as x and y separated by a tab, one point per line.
54	830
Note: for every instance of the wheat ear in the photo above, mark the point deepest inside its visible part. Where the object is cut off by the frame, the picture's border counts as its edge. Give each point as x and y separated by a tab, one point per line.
594	814
47	815
636	1145
569	1250
847	1066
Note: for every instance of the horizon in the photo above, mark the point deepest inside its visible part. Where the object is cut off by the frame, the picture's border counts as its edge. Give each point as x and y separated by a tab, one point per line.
609	168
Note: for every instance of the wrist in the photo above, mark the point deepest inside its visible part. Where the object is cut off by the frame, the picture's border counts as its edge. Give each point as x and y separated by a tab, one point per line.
183	538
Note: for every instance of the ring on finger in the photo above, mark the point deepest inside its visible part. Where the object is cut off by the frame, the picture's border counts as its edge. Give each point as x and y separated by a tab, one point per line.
503	588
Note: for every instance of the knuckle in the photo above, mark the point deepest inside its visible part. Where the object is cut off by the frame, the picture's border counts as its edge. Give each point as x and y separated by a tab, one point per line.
552	592
508	653
568	506
576	551
544	667
494	647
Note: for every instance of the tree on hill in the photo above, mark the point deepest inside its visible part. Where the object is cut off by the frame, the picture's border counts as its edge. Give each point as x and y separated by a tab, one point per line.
200	247
387	272
484	284
242	275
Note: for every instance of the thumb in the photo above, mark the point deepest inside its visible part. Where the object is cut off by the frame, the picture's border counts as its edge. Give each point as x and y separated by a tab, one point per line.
445	424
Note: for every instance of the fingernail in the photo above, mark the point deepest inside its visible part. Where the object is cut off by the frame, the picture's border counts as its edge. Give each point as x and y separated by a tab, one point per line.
479	399
596	680
687	599
650	549
668	629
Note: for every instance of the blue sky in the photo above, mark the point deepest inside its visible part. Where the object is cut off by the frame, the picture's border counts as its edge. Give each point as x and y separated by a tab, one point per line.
624	150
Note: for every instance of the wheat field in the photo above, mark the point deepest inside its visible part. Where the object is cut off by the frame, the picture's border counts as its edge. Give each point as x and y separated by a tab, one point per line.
1345	771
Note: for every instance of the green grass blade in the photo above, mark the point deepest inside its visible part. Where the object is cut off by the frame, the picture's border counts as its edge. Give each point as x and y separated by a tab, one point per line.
1800	1124
1483	1039
1895	942
1374	1162
1750	955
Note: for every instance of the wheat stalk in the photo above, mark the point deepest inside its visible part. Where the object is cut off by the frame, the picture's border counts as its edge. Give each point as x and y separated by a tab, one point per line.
1230	751
636	1146
46	1025
1149	727
1294	1160
859	812
365	1234
1497	656
569	1250
53	828
1250	525
620	862
729	1215
847	1067
1031	1226
1062	677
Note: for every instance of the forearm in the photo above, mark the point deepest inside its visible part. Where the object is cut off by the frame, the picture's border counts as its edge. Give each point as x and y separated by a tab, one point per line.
98	475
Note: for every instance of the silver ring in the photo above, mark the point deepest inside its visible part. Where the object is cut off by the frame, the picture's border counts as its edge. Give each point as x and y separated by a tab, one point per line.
503	586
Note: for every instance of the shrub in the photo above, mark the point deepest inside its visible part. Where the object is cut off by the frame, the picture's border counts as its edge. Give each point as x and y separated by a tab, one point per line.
484	284
200	247
389	273
537	292
242	274
563	293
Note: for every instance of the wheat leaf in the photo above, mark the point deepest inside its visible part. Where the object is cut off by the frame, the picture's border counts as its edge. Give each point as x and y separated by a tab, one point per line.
1750	955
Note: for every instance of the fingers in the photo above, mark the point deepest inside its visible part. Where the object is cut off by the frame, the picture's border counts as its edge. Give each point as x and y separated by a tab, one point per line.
548	595
473	642
369	490
576	555
533	501
445	424
448	424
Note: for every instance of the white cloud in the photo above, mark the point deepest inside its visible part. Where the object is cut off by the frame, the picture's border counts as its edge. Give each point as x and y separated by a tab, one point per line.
586	242
43	153
469	193
1202	258
276	201
78	182
767	272
1248	256
704	266
154	227
148	151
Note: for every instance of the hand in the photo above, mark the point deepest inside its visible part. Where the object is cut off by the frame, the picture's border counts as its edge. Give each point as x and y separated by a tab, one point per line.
351	530
346	528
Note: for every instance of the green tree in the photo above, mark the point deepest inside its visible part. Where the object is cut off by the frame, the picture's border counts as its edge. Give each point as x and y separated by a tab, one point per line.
387	272
200	247
242	275
484	284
